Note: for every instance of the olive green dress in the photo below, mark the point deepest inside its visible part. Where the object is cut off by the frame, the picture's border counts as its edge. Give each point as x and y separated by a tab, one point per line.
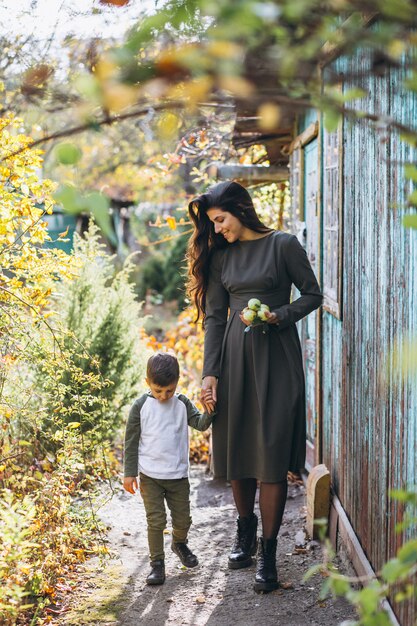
260	428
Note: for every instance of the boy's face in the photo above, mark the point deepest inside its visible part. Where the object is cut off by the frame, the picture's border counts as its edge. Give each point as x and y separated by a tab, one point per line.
161	393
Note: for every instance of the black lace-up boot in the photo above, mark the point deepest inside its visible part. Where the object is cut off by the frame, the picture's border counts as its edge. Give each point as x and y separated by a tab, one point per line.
184	553
244	546
266	578
157	574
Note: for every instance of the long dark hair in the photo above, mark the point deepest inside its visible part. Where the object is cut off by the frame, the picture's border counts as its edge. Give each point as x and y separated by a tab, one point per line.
228	196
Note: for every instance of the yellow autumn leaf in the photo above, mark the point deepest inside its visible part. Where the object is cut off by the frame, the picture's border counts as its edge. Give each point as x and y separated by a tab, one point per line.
171	221
224	49
64	234
105	69
236	85
117	97
269	115
168	125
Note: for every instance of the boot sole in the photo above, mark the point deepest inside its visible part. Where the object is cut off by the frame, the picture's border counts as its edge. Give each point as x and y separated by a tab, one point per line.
265	587
155	582
240	564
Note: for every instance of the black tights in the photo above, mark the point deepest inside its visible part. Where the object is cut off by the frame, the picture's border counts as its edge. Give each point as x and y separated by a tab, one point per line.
272	499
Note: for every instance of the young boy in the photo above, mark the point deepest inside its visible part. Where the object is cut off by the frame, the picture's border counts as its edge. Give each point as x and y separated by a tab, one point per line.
157	449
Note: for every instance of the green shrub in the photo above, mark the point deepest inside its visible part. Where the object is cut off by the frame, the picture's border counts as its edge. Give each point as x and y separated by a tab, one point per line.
101	318
163	272
152	275
175	272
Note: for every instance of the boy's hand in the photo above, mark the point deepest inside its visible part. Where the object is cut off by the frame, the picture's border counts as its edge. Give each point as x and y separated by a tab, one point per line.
207	400
130	483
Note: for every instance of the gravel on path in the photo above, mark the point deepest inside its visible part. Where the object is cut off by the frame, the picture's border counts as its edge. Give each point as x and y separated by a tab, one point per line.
210	593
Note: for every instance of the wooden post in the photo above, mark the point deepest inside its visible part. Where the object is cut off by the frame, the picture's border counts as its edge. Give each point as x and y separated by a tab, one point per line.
318	498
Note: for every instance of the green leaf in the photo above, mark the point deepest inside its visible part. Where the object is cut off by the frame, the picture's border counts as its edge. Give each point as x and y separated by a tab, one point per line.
88	86
412	198
368	598
410	138
325	589
394	570
407	522
354	94
408	552
73	425
408	592
331	120
410	221
410	171
403	495
98	204
68	153
314	569
340	586
70	198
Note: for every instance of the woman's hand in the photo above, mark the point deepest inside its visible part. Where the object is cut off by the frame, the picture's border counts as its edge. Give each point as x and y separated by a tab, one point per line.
208	394
271	318
243	320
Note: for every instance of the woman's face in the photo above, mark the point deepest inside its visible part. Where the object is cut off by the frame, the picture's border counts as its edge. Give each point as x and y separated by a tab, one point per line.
226	224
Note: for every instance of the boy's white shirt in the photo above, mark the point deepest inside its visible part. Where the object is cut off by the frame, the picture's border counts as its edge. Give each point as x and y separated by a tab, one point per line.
164	444
156	436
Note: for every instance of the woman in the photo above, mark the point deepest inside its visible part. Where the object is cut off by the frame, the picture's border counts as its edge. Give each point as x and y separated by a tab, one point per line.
256	377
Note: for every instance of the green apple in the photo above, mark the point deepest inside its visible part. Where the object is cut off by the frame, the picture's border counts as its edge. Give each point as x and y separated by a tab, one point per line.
254	304
248	315
262	311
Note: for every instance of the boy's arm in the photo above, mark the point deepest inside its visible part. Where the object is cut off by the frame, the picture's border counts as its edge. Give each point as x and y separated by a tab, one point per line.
132	435
199	421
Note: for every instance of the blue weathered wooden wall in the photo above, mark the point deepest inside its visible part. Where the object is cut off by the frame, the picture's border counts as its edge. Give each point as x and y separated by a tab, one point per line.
369	413
375	448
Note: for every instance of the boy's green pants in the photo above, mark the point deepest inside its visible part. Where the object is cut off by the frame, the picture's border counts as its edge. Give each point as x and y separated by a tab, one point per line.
176	492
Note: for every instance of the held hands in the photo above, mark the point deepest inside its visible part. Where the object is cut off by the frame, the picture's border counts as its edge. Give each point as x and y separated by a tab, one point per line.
208	394
130	483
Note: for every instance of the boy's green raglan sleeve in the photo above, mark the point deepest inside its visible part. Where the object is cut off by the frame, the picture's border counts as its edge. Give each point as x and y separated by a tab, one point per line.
197	420
132	436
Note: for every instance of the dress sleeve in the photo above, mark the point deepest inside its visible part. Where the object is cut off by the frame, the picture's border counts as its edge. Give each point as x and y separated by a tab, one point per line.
217	306
302	275
132	436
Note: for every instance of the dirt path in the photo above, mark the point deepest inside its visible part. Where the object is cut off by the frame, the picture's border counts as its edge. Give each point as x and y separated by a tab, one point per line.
211	593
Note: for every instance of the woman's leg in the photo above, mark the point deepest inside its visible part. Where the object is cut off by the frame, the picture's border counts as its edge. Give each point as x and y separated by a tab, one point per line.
244	545
244	492
272	499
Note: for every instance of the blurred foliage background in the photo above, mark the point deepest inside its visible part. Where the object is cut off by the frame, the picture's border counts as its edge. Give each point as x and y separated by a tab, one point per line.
125	125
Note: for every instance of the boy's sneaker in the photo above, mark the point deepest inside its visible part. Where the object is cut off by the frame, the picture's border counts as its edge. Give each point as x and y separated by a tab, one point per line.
157	574
184	553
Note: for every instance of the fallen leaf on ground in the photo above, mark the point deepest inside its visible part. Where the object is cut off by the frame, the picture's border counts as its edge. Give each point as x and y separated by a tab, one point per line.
200	599
300	538
57	609
287	585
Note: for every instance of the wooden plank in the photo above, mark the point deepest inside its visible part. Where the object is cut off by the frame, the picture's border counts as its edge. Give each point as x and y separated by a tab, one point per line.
340	526
249	174
305	137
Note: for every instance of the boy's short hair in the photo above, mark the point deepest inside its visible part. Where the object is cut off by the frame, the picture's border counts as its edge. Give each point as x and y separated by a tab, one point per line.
162	369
